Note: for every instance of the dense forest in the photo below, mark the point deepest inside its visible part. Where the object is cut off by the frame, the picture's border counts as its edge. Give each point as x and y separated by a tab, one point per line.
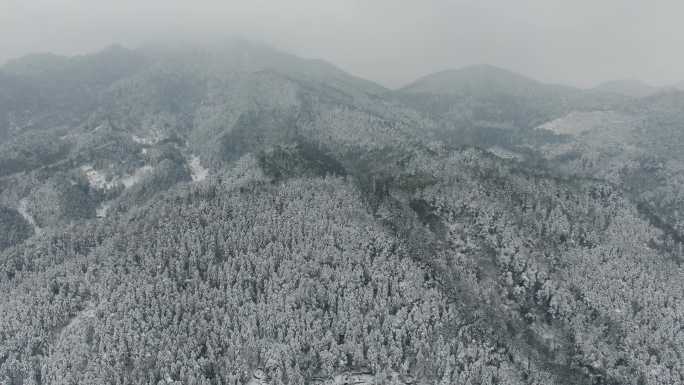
237	215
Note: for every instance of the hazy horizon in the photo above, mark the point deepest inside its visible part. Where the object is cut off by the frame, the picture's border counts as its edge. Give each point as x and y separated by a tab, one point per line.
204	210
390	42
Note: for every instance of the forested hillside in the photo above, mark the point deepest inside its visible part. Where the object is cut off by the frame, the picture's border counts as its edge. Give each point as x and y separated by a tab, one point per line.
237	215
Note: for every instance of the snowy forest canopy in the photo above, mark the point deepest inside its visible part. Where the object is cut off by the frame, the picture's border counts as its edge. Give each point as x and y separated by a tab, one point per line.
235	214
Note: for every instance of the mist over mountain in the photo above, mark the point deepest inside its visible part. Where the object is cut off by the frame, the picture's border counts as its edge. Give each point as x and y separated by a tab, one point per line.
476	79
680	85
627	87
235	214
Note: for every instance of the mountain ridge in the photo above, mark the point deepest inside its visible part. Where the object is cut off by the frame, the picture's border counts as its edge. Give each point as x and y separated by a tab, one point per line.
628	87
469	77
234	214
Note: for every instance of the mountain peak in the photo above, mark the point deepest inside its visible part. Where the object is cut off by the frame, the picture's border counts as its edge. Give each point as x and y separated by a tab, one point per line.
473	78
627	87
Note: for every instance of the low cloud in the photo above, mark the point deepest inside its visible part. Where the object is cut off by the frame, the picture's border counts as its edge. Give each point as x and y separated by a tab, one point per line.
390	41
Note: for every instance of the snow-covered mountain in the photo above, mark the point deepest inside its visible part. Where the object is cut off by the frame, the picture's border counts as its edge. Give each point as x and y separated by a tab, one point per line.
235	214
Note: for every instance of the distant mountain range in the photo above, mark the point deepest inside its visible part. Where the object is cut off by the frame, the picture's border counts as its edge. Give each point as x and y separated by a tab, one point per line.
487	79
628	87
477	80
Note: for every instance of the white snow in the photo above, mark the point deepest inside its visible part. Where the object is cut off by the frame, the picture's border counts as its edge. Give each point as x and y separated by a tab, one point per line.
504	153
101	212
153	138
141	140
23	210
198	172
130	180
75	323
576	123
95	179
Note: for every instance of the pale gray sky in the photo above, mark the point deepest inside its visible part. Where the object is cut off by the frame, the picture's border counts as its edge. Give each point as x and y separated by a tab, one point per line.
578	42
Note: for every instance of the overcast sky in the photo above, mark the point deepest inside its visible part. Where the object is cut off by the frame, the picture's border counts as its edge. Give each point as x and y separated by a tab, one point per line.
579	42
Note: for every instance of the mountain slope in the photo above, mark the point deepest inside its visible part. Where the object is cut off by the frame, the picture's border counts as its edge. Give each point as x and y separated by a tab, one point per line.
488	106
637	147
183	105
46	91
235	214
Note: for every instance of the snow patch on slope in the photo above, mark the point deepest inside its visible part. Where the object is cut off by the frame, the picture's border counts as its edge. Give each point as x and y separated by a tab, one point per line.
197	171
23	210
504	153
97	180
76	323
577	123
148	141
130	180
101	211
